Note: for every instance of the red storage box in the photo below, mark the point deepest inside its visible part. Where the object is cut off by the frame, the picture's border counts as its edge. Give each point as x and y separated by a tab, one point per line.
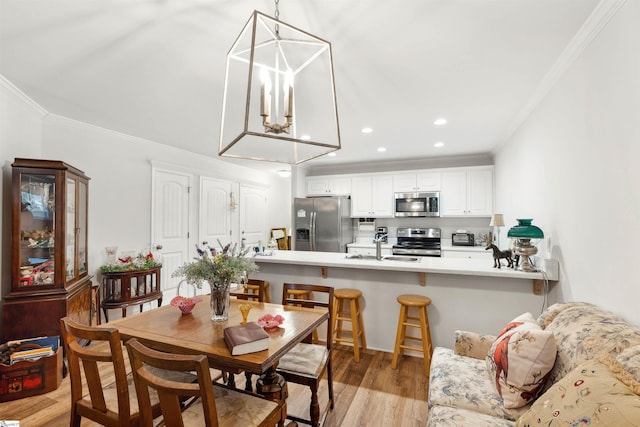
30	377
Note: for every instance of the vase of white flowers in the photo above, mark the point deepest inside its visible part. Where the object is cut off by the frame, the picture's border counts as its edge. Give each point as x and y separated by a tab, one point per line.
219	268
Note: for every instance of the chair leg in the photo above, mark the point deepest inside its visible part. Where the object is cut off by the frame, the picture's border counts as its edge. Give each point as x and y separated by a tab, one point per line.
363	337
314	408
397	351
248	386
355	330
330	383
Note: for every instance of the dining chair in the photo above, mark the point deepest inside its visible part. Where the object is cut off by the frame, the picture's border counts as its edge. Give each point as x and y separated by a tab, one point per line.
109	404
254	290
307	362
209	405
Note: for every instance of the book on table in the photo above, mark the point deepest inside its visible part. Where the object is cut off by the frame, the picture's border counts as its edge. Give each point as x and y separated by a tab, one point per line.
247	338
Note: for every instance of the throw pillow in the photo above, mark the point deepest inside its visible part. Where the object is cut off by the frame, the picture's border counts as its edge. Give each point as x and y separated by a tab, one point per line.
520	359
597	391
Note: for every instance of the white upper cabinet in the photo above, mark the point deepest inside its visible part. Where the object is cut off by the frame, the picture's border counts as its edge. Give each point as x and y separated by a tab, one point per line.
328	186
372	196
417	181
467	192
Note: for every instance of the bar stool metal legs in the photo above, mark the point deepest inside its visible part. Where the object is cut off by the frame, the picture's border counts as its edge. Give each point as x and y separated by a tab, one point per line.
420	302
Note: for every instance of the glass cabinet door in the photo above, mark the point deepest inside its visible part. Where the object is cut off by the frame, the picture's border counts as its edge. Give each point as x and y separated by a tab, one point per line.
36	223
71	230
82	228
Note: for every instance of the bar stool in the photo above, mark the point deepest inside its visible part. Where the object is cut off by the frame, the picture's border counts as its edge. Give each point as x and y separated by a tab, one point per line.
421	303
354	315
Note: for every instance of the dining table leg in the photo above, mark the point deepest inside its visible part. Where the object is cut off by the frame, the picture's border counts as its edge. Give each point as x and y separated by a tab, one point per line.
273	386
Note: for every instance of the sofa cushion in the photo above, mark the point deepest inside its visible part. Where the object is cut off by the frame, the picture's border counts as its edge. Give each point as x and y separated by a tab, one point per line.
472	344
463	382
520	359
597	391
584	331
446	416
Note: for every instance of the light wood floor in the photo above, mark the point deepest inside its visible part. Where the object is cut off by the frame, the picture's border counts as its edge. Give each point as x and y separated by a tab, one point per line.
368	393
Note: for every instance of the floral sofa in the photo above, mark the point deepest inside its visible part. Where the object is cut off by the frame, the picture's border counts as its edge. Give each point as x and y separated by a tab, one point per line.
594	378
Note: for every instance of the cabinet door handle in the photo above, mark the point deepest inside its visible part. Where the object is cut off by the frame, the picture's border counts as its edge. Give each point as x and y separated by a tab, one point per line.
158	247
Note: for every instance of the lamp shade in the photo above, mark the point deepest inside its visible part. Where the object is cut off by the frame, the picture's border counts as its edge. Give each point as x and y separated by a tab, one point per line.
524	230
497	220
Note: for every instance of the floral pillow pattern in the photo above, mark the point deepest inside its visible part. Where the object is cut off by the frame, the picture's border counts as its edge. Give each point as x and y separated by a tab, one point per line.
520	359
597	392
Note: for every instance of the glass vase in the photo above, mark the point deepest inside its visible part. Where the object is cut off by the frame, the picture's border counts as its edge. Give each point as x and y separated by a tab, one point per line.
219	301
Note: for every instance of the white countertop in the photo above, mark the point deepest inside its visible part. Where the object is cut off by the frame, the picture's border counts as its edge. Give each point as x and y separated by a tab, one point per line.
461	266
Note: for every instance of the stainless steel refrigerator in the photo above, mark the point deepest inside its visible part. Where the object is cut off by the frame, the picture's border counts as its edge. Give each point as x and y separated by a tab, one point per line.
322	224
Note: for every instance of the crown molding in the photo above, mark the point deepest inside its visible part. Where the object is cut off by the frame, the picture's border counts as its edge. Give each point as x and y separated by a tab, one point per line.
6	84
598	19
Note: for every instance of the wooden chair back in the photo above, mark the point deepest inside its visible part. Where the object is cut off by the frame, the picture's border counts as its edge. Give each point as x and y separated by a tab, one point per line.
203	402
315	291
170	393
91	357
249	293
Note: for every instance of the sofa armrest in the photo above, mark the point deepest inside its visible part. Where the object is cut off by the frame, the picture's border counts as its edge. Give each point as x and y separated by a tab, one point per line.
471	344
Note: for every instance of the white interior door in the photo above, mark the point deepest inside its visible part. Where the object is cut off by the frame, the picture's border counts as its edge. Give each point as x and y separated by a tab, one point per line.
170	223
215	211
253	209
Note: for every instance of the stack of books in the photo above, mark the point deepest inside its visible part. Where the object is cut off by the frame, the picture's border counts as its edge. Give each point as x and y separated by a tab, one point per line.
35	348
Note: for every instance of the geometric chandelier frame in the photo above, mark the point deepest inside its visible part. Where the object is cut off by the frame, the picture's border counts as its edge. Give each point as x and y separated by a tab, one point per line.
279	100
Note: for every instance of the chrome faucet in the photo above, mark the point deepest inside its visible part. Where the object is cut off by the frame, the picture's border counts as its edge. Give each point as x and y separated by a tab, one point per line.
378	241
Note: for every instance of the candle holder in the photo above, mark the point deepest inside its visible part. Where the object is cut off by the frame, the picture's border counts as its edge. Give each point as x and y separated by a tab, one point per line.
244	309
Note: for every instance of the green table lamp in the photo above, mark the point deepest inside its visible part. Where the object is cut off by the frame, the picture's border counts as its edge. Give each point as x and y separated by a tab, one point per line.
523	233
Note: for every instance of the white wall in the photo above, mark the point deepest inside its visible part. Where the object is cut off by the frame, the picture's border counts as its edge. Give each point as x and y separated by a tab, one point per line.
20	136
120	170
574	167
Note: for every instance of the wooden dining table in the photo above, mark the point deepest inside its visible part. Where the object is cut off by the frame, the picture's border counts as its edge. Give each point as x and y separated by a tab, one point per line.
167	329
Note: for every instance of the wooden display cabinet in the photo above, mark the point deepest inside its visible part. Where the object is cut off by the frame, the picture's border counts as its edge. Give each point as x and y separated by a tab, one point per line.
49	272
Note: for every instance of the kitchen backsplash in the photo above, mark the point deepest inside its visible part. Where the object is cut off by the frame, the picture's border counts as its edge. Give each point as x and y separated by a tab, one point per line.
477	226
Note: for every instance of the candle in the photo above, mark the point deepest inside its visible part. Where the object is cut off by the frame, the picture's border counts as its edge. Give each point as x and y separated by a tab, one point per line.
288	93
265	94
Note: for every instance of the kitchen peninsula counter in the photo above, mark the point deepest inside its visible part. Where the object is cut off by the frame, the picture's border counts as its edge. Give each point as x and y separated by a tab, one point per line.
467	294
467	267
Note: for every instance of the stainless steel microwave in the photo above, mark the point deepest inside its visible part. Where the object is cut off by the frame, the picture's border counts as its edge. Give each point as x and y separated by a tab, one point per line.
417	204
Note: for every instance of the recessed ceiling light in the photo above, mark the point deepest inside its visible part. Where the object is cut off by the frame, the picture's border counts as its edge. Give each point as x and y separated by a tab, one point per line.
382	149
305	137
440	122
332	154
367	130
439	144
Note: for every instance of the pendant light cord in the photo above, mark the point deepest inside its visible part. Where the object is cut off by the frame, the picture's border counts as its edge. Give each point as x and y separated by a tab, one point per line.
277	16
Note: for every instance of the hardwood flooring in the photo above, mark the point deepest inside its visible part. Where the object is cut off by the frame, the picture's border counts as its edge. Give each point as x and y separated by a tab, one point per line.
368	393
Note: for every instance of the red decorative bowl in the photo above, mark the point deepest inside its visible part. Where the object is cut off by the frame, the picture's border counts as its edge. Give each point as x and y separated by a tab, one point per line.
185	304
269	321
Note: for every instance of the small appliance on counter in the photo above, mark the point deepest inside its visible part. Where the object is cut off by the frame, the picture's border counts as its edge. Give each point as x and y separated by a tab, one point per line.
462	239
381	235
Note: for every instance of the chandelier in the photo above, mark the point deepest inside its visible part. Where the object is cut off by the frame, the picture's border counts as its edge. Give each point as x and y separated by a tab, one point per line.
262	119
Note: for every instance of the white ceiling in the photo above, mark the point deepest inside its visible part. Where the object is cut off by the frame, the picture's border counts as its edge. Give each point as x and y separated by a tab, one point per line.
155	69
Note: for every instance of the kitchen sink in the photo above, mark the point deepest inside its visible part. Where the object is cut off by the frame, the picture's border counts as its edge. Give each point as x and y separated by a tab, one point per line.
401	258
384	258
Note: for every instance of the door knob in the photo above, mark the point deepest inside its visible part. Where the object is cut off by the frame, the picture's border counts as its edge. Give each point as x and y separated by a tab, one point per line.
158	247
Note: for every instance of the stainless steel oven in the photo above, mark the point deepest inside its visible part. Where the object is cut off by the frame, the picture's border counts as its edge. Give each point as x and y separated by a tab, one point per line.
417	204
418	242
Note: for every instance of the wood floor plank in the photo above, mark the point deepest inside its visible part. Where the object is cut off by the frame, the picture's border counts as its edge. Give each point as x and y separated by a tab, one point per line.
368	393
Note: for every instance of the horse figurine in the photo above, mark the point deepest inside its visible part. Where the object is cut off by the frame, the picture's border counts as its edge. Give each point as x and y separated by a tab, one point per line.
498	254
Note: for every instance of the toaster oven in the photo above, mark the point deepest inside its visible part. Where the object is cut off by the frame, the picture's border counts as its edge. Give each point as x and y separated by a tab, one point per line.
462	239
